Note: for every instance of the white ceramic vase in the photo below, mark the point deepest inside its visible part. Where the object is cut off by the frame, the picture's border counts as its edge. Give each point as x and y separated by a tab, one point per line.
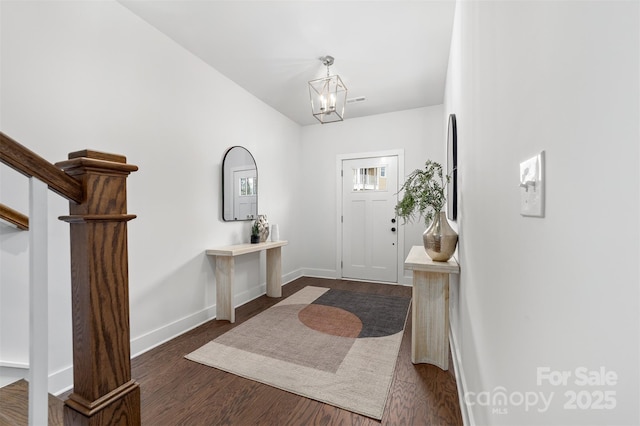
263	226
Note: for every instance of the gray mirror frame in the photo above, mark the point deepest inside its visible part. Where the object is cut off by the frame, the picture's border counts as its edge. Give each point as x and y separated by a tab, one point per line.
224	159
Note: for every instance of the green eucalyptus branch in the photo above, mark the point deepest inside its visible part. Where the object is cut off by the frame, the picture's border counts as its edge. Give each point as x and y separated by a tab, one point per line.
424	194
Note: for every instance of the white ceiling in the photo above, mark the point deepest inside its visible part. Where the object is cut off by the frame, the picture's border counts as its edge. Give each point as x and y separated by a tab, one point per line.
394	52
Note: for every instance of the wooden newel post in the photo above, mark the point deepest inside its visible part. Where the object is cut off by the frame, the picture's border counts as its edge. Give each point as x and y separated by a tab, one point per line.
103	391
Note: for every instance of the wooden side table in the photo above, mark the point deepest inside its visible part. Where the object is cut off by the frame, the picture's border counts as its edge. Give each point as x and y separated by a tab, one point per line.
225	271
430	311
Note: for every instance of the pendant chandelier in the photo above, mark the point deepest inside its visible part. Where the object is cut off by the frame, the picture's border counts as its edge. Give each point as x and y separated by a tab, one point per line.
328	95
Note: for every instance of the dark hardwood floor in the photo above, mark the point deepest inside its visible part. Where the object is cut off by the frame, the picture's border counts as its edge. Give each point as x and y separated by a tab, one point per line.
176	391
14	406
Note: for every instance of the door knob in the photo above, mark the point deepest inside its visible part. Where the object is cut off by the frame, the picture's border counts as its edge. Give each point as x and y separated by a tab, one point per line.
393	220
393	229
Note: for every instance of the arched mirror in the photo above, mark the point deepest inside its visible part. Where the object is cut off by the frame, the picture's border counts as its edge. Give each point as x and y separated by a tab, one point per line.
239	185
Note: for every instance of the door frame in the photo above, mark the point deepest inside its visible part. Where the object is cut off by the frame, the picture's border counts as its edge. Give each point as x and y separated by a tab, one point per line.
232	172
355	156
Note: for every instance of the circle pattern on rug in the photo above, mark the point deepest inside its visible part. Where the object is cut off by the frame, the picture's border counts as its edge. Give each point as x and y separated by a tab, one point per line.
331	320
380	315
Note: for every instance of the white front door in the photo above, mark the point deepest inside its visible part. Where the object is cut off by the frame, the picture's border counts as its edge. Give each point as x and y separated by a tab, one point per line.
369	228
245	190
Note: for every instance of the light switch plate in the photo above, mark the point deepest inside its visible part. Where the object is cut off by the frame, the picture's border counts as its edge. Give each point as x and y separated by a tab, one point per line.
532	186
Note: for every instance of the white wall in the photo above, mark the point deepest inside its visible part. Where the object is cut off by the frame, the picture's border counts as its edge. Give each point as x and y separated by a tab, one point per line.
560	292
419	132
93	75
14	290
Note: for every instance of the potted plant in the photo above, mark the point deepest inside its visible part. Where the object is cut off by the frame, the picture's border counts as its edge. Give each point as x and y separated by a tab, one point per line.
255	233
424	196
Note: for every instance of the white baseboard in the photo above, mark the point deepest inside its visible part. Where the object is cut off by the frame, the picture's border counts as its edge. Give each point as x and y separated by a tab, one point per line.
150	340
319	273
12	371
461	383
61	381
58	382
331	274
407	279
294	275
11	364
248	295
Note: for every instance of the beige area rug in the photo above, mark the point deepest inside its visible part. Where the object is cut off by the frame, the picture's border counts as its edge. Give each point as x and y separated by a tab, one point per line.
338	347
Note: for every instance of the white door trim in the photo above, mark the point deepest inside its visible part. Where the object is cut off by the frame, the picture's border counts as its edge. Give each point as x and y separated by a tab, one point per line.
339	158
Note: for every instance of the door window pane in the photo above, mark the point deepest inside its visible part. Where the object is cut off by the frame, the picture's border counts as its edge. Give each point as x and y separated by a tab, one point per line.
248	186
369	179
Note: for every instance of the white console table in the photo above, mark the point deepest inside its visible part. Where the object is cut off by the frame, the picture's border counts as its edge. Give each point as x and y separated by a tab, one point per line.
430	312
225	271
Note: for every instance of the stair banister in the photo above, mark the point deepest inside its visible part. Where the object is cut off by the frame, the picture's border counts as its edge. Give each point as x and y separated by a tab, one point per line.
27	162
14	217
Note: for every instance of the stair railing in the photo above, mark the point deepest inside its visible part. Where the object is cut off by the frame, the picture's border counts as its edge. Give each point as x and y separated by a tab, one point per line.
95	185
14	217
